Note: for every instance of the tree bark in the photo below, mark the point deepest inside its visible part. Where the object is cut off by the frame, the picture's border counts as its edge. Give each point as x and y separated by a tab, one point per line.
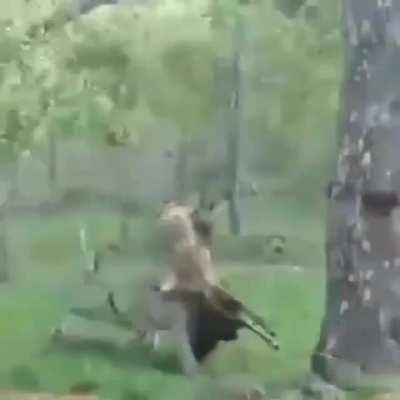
361	326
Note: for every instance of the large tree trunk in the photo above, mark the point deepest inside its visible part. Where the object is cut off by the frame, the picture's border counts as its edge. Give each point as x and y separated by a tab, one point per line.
361	327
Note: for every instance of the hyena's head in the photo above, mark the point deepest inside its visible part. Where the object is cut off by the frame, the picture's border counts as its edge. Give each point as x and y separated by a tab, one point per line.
176	219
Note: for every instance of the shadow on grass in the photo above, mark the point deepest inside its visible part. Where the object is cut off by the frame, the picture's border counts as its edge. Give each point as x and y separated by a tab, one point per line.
134	354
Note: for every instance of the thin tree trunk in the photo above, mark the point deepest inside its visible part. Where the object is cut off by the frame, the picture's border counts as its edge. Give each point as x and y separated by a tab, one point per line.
124	215
181	170
4	254
233	135
228	103
125	232
4	265
52	163
14	180
360	331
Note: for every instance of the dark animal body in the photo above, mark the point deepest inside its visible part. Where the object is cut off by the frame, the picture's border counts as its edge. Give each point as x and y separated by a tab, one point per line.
214	317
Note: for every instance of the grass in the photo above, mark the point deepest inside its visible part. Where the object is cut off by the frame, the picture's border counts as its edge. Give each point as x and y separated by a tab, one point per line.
46	281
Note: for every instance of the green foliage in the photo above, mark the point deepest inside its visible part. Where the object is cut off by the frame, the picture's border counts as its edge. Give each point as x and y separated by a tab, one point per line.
189	64
295	70
289	7
131	69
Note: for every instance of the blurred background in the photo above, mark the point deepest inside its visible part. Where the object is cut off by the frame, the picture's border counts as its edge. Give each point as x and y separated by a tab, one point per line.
107	111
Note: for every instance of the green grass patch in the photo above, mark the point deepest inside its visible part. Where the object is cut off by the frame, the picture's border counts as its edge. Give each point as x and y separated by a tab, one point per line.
47	281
